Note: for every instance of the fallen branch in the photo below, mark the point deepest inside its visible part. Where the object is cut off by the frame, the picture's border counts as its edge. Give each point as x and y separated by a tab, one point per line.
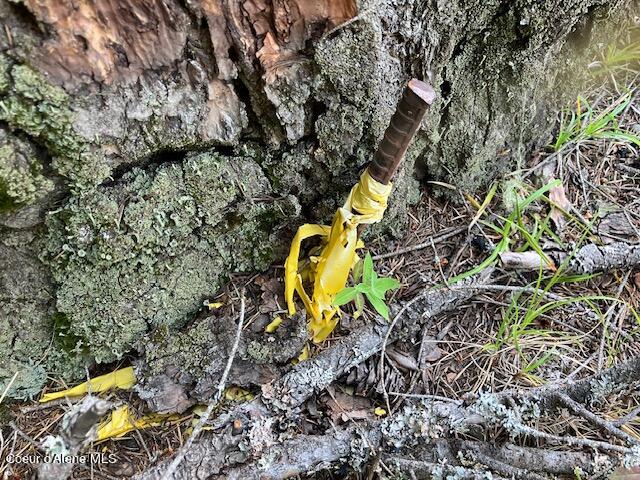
306	454
590	390
591	258
629	417
421	470
78	429
265	456
609	427
314	375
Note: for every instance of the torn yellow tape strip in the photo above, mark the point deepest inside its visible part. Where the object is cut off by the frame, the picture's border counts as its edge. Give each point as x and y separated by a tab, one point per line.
274	324
122	422
123	379
329	271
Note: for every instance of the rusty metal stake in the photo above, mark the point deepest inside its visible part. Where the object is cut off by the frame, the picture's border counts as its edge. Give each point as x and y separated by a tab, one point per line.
415	101
417	97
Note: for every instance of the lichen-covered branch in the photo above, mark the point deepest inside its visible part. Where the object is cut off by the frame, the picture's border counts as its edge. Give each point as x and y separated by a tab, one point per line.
419	436
592	390
78	428
319	372
591	258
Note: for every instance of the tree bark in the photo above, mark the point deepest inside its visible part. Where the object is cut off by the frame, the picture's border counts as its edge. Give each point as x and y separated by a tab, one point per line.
149	148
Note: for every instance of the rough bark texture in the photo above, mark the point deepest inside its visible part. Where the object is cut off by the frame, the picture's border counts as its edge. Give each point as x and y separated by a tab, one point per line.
591	258
150	148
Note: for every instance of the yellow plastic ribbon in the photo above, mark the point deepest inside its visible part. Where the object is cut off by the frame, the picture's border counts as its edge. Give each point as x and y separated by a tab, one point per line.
273	326
123	379
121	421
329	271
237	394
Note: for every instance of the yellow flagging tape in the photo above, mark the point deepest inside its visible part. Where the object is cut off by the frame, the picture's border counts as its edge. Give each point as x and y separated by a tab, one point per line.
304	354
273	326
328	272
123	379
121	421
237	394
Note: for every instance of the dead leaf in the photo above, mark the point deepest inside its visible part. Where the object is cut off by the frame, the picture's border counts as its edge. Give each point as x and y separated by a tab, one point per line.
559	204
402	360
355	415
272	294
529	261
433	355
343	406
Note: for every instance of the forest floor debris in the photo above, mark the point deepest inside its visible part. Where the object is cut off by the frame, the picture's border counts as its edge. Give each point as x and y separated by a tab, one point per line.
540	364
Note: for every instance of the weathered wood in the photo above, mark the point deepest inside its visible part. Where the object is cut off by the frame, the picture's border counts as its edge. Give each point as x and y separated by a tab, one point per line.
78	428
590	258
419	437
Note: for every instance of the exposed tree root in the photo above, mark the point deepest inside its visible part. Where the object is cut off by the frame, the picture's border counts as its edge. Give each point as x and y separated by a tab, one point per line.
214	401
314	375
419	441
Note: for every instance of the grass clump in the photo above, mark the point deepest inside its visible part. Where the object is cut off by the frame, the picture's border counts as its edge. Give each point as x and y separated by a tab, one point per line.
524	328
586	124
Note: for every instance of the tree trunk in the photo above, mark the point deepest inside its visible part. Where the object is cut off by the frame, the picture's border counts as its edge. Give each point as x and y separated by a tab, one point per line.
149	148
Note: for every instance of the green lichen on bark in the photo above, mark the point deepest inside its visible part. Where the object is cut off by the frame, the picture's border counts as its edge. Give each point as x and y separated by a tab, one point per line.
360	81
28	347
140	253
5	80
21	177
32	106
145	251
501	78
193	351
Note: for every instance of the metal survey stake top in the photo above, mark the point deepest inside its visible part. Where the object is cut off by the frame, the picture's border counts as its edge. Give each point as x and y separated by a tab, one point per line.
328	271
417	97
